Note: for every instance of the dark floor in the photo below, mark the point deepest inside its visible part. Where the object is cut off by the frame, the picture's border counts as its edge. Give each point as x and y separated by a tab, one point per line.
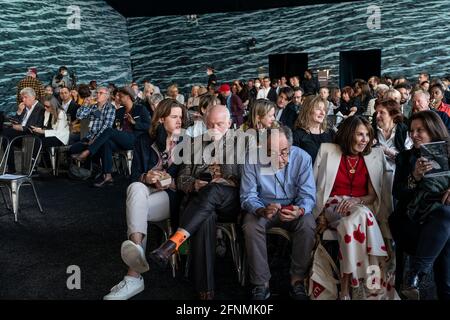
85	226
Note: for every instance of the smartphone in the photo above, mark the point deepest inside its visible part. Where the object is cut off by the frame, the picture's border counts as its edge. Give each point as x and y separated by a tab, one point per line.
205	176
289	207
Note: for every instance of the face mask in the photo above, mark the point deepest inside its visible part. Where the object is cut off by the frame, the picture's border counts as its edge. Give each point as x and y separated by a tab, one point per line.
257	85
64	73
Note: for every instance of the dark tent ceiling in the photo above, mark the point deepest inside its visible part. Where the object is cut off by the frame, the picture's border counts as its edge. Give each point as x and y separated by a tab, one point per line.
140	8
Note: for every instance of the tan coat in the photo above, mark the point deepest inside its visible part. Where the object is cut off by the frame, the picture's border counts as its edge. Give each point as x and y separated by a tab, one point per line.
325	170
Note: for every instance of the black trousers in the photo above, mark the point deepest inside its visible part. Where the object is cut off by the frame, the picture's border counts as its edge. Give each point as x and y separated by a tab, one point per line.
429	245
214	202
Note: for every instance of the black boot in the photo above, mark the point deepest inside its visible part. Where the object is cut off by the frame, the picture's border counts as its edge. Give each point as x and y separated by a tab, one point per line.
163	253
411	287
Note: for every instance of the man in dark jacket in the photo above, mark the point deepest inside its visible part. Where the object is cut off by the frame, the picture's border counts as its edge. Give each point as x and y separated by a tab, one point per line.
309	85
30	113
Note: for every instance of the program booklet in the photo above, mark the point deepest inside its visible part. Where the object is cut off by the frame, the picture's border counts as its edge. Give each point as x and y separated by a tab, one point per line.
437	154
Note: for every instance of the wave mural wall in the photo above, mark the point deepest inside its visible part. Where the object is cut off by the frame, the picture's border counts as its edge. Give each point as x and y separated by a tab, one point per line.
412	35
88	36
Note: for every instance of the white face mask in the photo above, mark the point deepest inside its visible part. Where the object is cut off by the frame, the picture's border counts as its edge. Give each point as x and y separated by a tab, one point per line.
64	73
257	85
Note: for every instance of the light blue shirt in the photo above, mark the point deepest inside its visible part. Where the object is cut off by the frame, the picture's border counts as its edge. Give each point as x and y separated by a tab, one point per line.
296	178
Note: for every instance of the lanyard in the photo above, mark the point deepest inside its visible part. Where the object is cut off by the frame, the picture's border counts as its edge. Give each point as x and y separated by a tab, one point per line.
282	185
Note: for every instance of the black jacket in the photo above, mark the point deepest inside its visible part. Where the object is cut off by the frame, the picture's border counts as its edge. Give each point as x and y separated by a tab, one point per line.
36	118
272	95
401	133
146	158
140	115
289	116
72	110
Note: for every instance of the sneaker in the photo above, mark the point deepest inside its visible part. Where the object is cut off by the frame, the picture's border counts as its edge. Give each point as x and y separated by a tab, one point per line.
260	293
298	291
134	256
125	289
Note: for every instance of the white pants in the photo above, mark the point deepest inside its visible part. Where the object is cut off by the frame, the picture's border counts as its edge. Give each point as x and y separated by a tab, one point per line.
143	205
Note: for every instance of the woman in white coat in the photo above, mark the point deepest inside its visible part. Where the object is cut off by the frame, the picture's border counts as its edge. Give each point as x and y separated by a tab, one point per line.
55	131
351	184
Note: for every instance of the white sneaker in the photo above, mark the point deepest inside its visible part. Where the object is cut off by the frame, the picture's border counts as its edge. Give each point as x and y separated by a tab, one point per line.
125	289
134	256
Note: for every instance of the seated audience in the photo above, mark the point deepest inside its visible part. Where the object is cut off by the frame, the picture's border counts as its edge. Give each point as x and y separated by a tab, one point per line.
437	98
352	194
420	223
311	127
55	131
148	199
212	188
30	113
131	121
391	133
284	198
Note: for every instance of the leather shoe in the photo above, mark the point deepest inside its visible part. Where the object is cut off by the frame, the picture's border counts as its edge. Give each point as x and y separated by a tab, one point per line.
161	255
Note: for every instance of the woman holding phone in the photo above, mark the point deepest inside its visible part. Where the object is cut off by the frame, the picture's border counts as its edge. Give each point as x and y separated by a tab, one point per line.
420	223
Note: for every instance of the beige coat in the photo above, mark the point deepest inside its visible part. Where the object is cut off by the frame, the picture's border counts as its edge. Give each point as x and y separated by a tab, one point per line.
325	170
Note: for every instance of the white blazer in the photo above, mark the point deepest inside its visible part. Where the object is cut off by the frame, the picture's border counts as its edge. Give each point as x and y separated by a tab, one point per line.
326	168
60	128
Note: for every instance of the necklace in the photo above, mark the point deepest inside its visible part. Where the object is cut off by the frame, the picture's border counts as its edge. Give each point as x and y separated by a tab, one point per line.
352	169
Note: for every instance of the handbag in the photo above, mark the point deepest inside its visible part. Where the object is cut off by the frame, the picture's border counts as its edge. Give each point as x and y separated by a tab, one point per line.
323	279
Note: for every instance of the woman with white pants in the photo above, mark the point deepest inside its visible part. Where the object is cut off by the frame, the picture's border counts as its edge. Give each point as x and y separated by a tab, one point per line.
152	196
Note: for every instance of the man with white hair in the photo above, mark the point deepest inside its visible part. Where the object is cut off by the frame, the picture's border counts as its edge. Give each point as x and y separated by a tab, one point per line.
101	116
380	90
213	191
421	102
30	113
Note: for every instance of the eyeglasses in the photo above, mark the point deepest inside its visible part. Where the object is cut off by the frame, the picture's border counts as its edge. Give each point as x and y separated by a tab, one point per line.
47	106
99	93
283	154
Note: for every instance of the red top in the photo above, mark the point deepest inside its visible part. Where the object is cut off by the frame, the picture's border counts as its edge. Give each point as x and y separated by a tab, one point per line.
351	184
444	108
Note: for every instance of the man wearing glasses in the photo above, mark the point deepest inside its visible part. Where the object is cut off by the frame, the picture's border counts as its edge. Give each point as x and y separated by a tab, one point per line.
101	116
280	194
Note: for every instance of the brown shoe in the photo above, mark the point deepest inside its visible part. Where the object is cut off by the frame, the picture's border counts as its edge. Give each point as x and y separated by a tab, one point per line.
163	253
206	295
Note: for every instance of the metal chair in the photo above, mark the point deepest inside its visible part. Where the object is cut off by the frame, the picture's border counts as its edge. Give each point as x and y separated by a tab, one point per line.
4	146
30	148
166	228
229	228
127	156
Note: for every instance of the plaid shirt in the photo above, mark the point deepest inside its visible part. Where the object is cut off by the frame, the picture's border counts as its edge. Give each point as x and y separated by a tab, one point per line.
30	82
100	119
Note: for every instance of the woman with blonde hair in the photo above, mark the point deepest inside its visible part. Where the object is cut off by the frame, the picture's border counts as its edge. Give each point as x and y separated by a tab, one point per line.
311	126
262	116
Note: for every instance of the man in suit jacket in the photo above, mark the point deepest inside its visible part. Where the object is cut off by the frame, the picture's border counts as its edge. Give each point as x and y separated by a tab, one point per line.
68	105
30	113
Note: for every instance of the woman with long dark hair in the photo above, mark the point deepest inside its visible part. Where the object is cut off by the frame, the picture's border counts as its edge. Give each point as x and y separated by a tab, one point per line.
420	223
351	194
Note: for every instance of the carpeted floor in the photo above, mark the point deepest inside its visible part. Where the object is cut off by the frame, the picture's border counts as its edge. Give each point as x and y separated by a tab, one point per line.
85	226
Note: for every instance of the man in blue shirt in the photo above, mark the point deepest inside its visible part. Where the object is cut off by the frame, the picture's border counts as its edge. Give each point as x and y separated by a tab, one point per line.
281	194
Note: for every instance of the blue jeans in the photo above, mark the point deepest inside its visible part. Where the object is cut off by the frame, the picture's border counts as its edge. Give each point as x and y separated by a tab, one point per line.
118	140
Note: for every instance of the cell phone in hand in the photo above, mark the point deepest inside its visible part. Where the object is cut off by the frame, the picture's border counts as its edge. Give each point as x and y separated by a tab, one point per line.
289	207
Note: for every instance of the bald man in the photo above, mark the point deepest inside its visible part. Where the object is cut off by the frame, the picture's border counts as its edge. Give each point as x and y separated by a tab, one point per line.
213	193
